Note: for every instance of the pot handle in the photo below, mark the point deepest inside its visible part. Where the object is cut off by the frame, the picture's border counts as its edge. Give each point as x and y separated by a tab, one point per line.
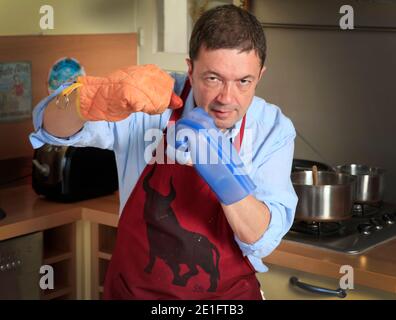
340	293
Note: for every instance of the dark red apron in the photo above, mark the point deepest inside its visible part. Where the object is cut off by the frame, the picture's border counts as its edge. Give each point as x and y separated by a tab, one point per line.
174	241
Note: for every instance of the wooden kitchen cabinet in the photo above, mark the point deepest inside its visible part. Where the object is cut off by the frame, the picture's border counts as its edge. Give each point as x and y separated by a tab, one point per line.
79	239
59	251
103	243
96	251
275	284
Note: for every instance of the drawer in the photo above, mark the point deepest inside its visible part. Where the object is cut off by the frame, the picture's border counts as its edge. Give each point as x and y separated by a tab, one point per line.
20	262
276	286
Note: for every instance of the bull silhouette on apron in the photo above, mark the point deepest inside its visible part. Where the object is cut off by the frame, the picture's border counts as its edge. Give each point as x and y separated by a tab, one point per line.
169	241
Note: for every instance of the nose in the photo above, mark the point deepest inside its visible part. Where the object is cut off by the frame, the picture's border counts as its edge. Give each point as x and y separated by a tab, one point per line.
225	95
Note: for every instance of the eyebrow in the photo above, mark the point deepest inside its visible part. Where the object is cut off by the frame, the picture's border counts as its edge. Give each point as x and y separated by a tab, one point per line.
206	73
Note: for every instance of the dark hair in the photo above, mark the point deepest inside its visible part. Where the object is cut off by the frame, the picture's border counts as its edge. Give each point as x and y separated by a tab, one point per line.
228	27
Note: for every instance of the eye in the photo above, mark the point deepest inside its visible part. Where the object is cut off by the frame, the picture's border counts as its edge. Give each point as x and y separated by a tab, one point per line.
213	79
245	82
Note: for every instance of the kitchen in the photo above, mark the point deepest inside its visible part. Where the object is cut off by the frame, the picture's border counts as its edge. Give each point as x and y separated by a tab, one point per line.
336	88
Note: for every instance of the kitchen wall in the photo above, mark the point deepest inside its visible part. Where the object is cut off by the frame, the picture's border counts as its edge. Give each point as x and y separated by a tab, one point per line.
338	87
22	17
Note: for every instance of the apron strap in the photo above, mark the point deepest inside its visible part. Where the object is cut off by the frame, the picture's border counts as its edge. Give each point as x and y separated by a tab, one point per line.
176	114
239	138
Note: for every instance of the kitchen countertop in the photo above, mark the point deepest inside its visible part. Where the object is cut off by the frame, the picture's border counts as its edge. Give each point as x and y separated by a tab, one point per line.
27	212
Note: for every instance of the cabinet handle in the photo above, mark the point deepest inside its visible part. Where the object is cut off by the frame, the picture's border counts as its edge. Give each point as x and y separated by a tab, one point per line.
340	293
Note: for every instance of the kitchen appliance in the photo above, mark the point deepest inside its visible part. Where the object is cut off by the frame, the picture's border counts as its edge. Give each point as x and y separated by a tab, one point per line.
66	173
330	197
20	262
370	184
369	226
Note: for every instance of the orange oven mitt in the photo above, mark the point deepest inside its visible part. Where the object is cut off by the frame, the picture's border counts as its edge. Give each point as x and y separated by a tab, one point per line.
144	88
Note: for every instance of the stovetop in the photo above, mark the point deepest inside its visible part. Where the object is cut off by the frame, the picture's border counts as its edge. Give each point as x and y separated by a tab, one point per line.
369	226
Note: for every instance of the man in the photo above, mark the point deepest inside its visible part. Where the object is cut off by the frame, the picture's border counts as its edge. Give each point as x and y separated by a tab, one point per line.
176	239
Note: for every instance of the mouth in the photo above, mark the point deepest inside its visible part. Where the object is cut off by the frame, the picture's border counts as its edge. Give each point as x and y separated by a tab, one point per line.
221	114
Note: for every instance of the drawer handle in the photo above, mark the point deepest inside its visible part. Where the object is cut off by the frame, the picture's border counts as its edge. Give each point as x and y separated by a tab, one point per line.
340	293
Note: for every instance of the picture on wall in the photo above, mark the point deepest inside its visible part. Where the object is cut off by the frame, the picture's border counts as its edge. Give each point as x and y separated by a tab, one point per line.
15	91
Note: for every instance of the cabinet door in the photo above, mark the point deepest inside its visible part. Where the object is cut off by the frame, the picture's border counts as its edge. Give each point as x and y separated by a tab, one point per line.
164	28
276	286
20	262
149	26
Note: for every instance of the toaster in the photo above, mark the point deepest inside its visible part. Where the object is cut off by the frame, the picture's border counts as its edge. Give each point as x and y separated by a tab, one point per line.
67	173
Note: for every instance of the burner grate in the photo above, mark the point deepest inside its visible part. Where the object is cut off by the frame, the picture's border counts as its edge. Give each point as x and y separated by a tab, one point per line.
318	228
369	226
366	210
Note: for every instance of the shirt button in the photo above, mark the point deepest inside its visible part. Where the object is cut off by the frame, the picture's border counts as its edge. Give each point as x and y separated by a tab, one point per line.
256	252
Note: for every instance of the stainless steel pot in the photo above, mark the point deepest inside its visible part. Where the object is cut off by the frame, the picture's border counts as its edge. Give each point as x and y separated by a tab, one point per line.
370	182
330	200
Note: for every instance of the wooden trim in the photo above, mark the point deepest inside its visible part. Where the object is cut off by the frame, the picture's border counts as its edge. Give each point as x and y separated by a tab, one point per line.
73	262
94	261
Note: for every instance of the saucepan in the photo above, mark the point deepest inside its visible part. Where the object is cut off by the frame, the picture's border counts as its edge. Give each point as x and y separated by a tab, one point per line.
370	182
323	195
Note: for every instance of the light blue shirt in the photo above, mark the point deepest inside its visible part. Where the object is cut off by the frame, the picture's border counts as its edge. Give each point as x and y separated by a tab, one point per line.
270	157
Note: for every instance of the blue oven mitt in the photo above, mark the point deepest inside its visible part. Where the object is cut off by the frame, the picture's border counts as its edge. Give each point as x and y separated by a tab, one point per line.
213	156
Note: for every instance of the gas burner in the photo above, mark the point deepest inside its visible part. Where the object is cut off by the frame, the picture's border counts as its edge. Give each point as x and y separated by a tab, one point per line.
366	228
365	210
372	225
389	218
317	228
376	223
369	226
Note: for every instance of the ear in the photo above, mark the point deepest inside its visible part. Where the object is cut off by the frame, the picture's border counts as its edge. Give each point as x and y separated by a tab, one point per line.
190	69
263	69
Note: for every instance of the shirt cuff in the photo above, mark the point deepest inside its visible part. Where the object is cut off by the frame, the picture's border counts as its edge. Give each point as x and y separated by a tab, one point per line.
41	136
266	244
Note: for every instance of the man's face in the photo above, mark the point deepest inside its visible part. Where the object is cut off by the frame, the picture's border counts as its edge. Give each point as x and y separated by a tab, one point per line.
224	83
